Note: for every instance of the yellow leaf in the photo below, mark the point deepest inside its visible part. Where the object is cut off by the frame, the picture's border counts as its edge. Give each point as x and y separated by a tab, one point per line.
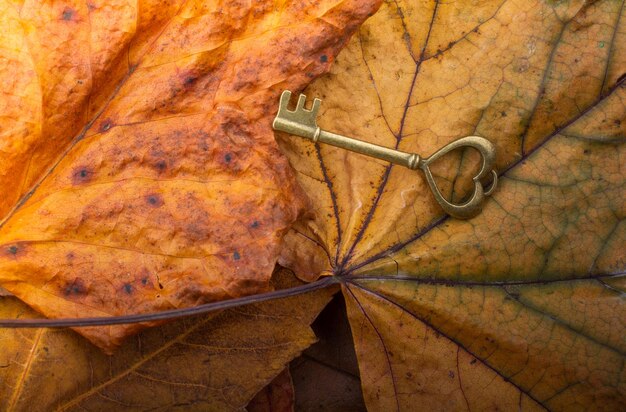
210	362
522	306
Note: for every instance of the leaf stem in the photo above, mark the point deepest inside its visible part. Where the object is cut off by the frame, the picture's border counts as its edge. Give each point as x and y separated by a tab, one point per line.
167	314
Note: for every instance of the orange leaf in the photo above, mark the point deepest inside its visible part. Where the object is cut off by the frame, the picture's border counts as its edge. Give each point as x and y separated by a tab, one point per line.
138	166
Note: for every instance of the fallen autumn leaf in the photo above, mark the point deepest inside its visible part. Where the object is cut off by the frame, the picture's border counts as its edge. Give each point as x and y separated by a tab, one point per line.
209	362
138	165
523	306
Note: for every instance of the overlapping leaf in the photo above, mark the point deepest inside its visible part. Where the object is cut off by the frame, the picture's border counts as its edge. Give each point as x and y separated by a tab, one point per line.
278	396
523	306
138	166
214	362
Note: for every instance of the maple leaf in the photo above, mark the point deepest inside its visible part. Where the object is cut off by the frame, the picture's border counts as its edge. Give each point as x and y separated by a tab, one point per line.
138	165
523	306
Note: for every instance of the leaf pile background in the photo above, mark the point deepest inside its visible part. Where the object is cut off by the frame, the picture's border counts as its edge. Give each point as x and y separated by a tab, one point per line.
521	307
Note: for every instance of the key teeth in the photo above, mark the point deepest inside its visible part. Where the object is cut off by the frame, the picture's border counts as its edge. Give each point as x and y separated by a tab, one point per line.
284	101
317	103
300	114
301	102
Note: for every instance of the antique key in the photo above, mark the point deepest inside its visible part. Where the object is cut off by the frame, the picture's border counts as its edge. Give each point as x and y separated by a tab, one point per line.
302	122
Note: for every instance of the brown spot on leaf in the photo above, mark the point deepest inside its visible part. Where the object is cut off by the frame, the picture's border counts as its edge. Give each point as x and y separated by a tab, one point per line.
82	174
155	200
106	125
13	251
75	288
190	81
68	14
161	165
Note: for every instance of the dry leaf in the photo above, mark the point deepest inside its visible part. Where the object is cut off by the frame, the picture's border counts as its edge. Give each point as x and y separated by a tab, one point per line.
278	396
137	162
214	362
523	306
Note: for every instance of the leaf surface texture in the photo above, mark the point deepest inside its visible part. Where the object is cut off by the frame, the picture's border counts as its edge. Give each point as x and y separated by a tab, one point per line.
523	306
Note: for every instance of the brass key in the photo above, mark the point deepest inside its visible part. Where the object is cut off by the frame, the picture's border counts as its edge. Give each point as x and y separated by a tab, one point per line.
302	122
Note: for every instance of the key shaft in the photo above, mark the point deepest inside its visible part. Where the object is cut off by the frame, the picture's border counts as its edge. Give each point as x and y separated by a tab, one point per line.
410	160
301	122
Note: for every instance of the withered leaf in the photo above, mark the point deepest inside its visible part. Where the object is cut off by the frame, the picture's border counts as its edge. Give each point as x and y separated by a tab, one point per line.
212	362
278	396
138	166
522	307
